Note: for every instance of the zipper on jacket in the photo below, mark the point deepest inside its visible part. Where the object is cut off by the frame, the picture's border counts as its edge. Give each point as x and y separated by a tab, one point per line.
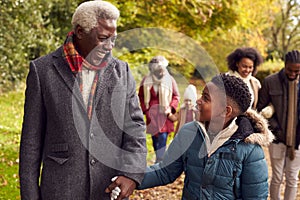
234	174
185	169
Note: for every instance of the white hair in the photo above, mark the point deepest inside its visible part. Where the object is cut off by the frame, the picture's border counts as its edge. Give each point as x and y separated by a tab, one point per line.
158	62
88	14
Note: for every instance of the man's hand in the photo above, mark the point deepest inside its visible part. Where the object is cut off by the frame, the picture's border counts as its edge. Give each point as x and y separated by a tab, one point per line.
121	187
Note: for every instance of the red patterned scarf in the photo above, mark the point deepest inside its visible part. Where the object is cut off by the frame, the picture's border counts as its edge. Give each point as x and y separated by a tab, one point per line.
76	62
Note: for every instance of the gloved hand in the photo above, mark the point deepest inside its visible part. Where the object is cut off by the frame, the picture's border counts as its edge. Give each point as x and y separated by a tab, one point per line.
268	111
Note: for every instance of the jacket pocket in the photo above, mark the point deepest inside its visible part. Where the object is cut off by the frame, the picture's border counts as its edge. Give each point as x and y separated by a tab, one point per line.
276	96
276	129
59	153
275	92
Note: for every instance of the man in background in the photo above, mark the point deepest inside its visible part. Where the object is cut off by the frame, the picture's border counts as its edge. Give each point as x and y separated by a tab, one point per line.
281	90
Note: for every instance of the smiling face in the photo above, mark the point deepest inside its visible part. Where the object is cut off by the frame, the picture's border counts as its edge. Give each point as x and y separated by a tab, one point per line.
222	100
98	42
188	102
245	67
212	103
292	70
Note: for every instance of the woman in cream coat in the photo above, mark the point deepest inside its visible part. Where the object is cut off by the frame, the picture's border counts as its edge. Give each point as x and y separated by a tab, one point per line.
243	63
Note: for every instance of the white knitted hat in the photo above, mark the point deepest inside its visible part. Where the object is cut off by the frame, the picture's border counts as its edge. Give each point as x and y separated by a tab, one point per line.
190	93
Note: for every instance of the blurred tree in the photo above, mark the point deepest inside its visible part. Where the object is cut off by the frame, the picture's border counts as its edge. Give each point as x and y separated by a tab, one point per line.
284	34
28	30
248	30
197	20
192	29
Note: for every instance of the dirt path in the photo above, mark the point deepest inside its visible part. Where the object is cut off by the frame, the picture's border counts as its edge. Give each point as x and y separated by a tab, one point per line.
173	191
270	172
169	192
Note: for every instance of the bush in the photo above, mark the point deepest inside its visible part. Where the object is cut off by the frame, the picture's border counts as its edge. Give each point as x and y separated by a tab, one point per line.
269	67
29	29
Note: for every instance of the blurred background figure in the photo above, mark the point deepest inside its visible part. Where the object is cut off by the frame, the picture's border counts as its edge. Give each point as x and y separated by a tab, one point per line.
243	63
281	89
187	111
159	98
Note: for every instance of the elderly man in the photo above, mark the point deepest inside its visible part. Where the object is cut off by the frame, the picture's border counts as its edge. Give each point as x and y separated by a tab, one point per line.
82	123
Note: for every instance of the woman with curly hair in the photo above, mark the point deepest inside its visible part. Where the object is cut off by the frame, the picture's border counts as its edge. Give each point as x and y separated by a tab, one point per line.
243	63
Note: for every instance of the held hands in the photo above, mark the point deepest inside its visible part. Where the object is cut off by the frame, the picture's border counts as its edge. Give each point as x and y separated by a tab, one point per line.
120	188
167	110
170	116
116	191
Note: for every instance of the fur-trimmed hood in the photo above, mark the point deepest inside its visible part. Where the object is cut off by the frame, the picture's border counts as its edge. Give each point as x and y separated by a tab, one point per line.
253	128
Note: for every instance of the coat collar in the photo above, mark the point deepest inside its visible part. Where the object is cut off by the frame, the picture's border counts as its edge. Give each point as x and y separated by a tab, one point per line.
105	79
253	128
282	76
65	72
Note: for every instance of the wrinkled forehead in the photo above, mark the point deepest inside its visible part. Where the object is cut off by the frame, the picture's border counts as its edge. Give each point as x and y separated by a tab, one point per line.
107	26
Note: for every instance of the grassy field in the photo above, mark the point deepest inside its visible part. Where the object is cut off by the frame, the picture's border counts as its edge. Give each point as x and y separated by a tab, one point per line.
11	112
11	109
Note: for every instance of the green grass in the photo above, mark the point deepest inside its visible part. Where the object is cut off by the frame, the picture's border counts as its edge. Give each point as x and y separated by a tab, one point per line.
11	112
9	179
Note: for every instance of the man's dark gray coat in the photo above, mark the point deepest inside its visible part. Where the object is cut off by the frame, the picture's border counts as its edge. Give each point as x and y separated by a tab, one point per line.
64	155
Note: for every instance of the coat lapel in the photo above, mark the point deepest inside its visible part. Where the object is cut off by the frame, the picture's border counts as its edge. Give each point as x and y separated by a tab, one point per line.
65	72
255	91
105	77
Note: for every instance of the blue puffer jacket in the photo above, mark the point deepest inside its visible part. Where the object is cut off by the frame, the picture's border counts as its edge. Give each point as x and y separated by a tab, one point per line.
236	170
